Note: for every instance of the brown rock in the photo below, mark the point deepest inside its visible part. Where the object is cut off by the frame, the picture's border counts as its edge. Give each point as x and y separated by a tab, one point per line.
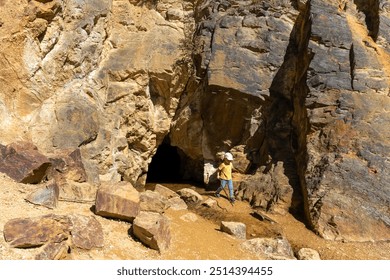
87	232
164	191
153	230
24	163
46	196
270	248
53	251
234	228
33	232
153	202
117	200
189	195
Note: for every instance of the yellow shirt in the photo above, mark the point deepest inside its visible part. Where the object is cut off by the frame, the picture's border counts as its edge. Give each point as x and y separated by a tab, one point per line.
225	171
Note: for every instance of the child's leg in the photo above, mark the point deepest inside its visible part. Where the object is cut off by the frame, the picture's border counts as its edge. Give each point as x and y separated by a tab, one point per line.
230	185
223	184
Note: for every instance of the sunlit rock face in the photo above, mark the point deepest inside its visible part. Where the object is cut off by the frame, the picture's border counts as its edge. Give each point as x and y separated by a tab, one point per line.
298	91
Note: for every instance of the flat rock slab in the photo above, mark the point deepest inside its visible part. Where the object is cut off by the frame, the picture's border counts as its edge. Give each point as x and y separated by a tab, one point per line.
153	230
177	204
118	200
34	232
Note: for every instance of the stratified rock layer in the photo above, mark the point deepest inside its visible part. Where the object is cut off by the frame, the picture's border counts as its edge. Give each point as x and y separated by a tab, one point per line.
298	91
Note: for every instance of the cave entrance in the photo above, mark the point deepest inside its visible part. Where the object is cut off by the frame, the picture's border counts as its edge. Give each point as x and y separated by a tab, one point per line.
166	165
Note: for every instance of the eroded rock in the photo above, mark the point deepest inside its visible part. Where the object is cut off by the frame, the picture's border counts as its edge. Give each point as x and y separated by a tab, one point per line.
236	229
153	229
117	200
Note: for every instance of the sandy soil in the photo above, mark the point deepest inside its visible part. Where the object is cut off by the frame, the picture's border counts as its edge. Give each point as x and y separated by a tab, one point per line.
191	240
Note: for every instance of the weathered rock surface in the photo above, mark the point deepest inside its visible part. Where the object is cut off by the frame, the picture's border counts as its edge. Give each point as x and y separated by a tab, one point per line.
53	251
87	232
189	195
23	162
120	200
308	254
236	229
165	192
153	202
34	232
153	230
176	203
270	248
46	195
298	91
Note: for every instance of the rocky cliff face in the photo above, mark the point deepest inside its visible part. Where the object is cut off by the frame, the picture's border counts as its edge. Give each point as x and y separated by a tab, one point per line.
298	91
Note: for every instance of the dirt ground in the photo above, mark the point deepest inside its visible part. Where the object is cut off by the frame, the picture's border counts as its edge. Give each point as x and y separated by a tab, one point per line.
196	238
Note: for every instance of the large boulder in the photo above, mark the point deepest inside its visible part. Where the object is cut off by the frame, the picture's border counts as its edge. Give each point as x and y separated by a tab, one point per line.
189	195
24	163
153	229
118	200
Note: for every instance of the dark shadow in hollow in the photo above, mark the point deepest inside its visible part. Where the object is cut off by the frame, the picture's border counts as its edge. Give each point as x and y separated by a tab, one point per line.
165	166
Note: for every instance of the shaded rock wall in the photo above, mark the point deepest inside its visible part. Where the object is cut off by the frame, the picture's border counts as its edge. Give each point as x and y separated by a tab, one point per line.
298	91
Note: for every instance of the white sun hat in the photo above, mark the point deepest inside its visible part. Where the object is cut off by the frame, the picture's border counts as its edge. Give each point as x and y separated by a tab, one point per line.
229	156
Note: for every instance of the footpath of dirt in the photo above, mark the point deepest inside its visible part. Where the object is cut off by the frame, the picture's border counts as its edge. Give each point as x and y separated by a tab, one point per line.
192	239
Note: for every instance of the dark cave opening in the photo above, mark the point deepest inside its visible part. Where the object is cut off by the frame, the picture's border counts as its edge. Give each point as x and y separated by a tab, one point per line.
166	165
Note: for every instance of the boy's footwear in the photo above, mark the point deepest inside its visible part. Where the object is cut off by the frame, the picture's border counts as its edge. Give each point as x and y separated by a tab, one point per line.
217	194
232	200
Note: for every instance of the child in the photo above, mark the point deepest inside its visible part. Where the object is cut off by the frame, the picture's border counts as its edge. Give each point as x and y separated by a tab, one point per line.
225	175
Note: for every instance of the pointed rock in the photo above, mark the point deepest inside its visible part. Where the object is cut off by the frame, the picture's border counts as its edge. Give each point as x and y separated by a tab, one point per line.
46	196
153	229
87	232
234	228
118	200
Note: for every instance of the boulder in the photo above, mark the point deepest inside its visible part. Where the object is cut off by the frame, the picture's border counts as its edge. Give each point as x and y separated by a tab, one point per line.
210	203
176	203
76	192
34	232
46	195
117	200
87	232
153	202
236	229
308	254
24	163
53	251
270	248
165	192
190	196
153	230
